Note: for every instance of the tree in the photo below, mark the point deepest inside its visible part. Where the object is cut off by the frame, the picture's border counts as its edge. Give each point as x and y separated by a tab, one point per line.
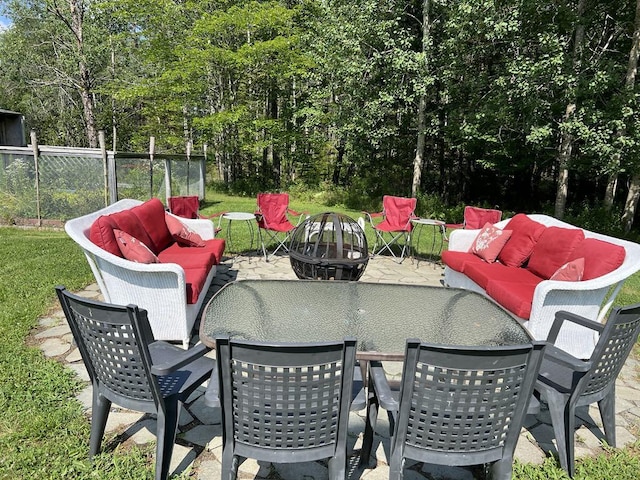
566	136
422	103
54	63
633	195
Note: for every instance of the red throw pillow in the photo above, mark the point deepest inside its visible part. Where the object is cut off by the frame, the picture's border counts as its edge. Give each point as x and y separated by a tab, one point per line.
526	233
489	242
133	249
183	234
570	271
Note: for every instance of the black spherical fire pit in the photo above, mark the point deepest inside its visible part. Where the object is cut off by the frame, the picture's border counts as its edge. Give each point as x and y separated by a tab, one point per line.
329	246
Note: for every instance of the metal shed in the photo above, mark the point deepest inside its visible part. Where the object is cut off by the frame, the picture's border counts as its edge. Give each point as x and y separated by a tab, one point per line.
12	129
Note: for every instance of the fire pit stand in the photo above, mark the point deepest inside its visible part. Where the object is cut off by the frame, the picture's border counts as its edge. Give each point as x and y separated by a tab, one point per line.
329	246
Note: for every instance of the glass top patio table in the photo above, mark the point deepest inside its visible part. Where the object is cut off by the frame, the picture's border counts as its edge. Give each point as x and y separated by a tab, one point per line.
381	316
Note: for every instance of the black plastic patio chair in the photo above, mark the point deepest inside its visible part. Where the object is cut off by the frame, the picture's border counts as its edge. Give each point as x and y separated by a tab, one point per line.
129	368
455	406
285	403
566	382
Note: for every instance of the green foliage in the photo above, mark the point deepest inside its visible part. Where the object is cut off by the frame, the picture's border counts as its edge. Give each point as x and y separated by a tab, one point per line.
328	92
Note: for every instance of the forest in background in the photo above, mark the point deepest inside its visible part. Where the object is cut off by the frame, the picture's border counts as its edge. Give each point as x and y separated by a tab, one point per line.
531	106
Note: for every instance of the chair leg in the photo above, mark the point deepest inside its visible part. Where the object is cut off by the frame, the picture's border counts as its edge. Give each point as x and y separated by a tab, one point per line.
563	421
230	463
607	407
99	413
264	250
502	469
338	466
370	425
388	245
396	465
166	436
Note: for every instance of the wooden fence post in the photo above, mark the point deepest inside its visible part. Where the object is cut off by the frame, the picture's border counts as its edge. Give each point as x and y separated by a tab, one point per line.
152	151
36	154
203	173
103	152
188	164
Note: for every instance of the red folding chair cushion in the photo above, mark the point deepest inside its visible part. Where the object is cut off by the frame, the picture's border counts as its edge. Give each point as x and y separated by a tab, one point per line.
185	207
398	211
273	209
476	217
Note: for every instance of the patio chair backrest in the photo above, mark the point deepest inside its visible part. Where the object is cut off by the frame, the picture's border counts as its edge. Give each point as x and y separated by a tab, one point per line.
186	207
616	341
285	402
113	344
472	399
398	211
476	217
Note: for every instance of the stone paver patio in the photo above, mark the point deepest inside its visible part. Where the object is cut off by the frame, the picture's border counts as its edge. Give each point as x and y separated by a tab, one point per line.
198	447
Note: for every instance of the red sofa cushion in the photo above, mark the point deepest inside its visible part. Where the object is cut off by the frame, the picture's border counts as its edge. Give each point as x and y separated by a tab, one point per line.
515	297
483	273
151	216
102	234
525	234
195	279
456	260
553	249
600	257
144	222
187	258
196	264
214	246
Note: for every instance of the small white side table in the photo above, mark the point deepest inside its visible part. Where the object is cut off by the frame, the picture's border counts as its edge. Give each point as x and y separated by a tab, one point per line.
249	218
418	224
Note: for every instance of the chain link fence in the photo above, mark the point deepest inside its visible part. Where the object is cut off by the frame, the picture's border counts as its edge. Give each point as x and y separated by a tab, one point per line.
48	185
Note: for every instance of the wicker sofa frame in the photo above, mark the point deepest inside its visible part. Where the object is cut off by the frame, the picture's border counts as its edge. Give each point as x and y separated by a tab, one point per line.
592	299
159	288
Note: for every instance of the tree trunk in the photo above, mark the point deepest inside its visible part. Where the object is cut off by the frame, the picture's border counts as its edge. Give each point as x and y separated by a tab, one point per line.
85	79
629	84
418	160
566	138
631	203
564	155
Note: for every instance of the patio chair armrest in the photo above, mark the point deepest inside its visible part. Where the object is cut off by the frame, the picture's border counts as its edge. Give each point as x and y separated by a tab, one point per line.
560	357
562	316
378	379
180	361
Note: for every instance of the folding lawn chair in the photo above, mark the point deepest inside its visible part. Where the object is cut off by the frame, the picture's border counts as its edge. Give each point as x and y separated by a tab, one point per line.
273	219
397	213
476	217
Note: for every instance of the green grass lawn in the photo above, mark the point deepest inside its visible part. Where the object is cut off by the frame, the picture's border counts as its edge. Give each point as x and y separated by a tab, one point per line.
43	431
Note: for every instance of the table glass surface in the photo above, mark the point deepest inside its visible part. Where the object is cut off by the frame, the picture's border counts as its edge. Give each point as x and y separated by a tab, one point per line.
381	316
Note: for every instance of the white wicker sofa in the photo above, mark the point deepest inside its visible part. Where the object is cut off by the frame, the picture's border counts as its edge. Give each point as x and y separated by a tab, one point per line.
163	289
590	297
